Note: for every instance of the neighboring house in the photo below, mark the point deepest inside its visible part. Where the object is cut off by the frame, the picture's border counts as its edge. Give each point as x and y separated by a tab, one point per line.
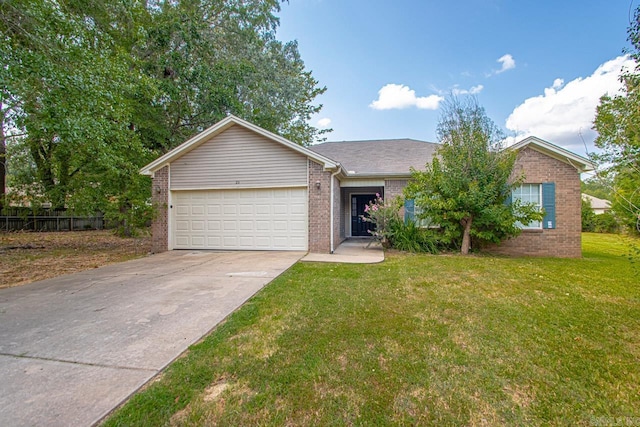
598	206
236	186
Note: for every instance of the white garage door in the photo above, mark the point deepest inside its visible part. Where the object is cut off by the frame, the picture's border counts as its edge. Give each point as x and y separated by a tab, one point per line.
255	219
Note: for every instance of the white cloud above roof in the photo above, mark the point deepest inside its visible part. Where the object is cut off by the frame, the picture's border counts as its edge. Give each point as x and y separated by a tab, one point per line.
324	122
508	63
565	112
395	96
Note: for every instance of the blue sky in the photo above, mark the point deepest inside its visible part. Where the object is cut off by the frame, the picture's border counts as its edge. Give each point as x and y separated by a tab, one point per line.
538	67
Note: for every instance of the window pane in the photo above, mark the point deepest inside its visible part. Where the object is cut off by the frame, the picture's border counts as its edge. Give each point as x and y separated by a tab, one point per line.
528	193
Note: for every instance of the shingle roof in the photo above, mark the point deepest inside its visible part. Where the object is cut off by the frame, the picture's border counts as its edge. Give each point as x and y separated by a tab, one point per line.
378	157
597	203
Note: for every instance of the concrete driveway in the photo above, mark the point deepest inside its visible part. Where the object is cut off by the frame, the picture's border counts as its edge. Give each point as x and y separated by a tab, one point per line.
74	347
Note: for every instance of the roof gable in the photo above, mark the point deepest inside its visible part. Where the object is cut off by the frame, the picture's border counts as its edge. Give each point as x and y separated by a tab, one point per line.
220	127
545	147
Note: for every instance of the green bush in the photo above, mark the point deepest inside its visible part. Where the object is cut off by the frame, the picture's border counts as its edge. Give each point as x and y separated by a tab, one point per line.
588	216
410	237
606	223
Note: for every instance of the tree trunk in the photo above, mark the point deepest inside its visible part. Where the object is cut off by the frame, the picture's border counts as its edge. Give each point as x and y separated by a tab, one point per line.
466	236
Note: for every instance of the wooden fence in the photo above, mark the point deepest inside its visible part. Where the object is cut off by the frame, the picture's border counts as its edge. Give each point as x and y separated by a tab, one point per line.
50	223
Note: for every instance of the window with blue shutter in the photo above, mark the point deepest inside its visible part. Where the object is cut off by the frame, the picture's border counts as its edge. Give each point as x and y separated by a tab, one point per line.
549	204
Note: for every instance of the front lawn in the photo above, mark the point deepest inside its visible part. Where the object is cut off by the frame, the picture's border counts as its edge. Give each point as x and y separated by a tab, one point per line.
419	339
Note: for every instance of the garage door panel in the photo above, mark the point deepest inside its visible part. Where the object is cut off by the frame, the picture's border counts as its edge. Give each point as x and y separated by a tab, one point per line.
297	209
246	226
182	241
298	226
240	219
263	225
214	209
197	241
246	209
263	209
214	225
230	226
280	226
197	210
280	209
230	209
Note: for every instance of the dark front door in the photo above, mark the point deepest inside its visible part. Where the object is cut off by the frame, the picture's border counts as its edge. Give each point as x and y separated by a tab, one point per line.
359	227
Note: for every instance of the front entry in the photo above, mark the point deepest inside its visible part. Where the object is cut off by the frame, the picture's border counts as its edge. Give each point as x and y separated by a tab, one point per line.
359	227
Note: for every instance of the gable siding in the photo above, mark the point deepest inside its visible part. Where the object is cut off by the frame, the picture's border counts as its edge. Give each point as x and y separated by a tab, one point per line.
239	158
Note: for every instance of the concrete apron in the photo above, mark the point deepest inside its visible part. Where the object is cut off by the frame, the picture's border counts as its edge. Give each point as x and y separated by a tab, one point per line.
352	251
74	347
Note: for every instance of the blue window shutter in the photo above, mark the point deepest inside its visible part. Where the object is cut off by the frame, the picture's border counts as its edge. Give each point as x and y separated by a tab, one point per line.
549	204
409	210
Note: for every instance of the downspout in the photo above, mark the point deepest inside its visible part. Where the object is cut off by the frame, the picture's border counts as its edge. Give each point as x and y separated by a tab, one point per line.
331	219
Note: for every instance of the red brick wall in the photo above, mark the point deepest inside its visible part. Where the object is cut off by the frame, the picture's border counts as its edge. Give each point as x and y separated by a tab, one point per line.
564	240
320	208
160	200
393	188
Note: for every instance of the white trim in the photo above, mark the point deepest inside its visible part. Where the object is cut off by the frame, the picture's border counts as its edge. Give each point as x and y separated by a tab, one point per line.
220	127
241	187
351	183
545	147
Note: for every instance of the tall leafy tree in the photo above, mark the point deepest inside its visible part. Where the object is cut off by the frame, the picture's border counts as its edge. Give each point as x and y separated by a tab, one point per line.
466	187
618	125
98	88
71	82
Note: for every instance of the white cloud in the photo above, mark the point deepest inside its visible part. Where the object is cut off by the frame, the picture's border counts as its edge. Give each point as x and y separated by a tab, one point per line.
393	96
507	62
564	112
474	90
324	122
558	83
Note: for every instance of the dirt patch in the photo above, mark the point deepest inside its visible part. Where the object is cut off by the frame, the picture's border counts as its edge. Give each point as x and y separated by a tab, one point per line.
214	390
26	257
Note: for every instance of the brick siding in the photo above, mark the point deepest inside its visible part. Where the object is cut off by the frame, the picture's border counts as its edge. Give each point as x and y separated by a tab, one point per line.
319	209
160	200
564	240
393	188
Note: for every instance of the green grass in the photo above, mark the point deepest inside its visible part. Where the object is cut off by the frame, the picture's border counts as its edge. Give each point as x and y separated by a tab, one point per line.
419	339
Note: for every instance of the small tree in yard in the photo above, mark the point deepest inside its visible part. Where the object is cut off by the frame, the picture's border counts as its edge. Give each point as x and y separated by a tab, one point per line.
466	188
383	215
